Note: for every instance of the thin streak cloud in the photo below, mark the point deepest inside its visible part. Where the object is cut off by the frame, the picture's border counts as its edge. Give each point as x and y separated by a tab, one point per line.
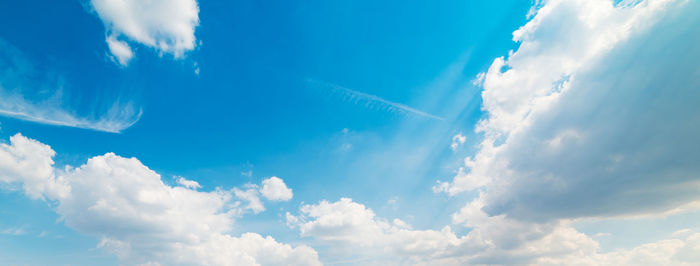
23	95
116	120
372	101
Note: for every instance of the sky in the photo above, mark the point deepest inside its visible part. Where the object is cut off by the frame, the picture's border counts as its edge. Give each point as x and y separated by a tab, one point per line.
185	132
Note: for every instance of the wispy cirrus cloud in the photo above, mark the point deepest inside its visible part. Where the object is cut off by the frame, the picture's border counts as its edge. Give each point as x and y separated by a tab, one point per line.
34	96
369	100
118	118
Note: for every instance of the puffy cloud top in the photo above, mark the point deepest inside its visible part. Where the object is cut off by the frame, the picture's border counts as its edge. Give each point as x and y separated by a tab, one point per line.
30	163
137	216
274	188
165	25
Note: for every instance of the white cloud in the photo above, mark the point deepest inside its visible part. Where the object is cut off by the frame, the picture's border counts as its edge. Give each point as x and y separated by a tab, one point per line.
30	163
351	231
118	117
165	25
274	188
251	195
595	114
191	184
138	217
120	49
25	98
457	140
664	252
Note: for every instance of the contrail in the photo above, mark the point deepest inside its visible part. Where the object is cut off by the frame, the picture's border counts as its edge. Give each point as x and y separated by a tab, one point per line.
371	100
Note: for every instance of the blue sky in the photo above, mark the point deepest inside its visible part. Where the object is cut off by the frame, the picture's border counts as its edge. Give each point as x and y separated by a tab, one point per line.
456	132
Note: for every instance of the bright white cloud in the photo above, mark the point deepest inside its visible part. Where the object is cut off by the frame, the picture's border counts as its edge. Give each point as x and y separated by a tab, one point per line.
457	140
137	216
252	196
352	232
165	25
595	114
274	188
30	163
191	184
120	50
675	251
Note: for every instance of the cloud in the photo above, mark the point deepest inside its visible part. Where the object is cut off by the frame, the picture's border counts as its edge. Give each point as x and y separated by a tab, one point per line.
252	196
30	163
14	231
120	50
165	25
25	95
274	188
118	117
351	230
353	233
191	184
457	141
136	216
594	115
371	101
664	252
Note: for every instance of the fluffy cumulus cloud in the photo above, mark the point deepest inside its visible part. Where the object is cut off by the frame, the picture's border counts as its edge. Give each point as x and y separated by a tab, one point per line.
138	217
274	188
30	163
352	231
165	25
252	196
595	114
353	234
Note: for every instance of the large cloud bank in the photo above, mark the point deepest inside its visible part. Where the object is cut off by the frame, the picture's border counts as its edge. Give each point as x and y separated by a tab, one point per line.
595	114
138	217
